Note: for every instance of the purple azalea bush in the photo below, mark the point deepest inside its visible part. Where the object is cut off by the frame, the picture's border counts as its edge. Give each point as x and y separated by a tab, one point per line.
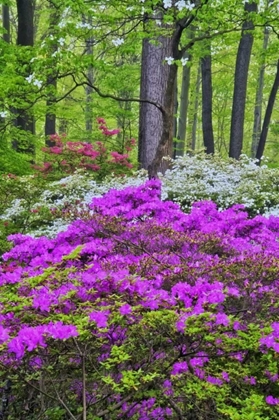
139	311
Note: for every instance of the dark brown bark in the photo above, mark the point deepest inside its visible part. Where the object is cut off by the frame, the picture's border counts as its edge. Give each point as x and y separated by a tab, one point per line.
207	126
240	83
267	116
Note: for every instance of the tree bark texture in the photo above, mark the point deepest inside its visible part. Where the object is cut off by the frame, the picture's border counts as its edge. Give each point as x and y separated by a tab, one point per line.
267	116
25	31
25	38
240	83
6	23
207	126
154	78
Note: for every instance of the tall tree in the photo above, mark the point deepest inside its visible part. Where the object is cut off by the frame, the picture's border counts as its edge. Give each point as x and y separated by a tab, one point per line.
51	84
196	95
25	38
154	77
240	81
267	116
87	21
259	99
6	22
207	126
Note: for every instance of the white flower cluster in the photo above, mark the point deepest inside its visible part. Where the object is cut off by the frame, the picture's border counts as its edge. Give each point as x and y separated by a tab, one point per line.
180	4
118	41
32	79
4	114
199	177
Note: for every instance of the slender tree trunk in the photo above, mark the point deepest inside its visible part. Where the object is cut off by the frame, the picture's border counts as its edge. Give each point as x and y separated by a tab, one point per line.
154	77
123	121
240	83
207	126
50	119
196	93
259	100
175	125
6	37
25	38
88	89
6	23
183	108
267	116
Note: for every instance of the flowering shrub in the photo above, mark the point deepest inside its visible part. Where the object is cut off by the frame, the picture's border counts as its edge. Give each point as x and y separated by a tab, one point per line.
141	311
64	157
226	182
19	208
192	179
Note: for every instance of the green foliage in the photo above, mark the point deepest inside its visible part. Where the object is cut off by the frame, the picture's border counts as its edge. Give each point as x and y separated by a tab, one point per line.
12	162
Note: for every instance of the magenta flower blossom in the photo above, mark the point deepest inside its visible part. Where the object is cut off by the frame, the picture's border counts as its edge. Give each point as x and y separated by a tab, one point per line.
100	317
179	367
125	309
272	400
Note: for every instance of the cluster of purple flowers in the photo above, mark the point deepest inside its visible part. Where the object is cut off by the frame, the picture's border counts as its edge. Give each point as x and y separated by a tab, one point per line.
153	311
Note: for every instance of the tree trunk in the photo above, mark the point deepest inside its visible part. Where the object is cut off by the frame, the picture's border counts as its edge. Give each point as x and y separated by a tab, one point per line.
154	78
267	116
175	125
25	14
183	108
240	83
193	140
50	119
25	38
207	126
6	23
259	100
164	147
88	89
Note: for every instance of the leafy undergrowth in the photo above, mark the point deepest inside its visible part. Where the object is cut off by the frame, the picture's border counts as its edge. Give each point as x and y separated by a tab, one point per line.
141	311
32	205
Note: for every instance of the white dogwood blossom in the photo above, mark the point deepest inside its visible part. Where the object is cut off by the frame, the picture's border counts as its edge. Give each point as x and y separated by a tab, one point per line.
32	79
117	41
169	60
167	4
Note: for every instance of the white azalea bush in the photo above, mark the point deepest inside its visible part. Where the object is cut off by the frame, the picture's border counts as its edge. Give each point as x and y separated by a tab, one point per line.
40	208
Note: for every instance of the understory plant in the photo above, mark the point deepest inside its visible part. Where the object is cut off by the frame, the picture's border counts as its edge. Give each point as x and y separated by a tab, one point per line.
141	311
100	158
226	182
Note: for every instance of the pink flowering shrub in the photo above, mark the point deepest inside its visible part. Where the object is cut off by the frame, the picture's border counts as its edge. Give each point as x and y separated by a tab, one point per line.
140	311
65	157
